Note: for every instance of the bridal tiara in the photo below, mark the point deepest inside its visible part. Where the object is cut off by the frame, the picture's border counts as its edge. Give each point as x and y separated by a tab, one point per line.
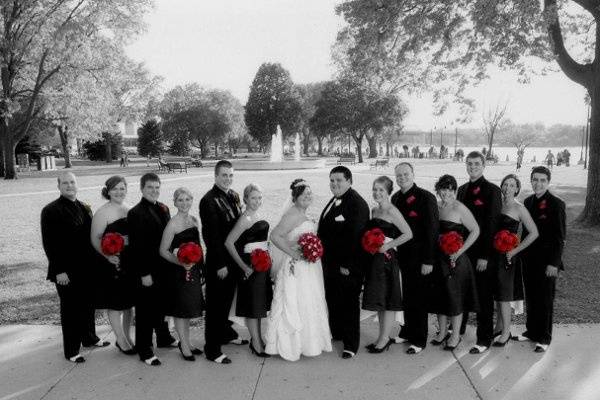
300	183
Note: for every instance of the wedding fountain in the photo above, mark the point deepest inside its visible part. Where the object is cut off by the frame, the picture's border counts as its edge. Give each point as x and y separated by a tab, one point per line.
276	159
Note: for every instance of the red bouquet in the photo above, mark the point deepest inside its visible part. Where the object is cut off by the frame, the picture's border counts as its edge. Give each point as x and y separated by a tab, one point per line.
505	241
450	243
189	253
372	240
260	260
112	244
311	246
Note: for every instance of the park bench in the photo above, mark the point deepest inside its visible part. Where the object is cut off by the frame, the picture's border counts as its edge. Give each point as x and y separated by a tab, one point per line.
346	160
380	162
177	165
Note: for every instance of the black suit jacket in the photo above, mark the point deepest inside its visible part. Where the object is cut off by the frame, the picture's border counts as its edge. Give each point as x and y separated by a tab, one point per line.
340	231
66	229
147	221
548	213
419	209
219	211
484	200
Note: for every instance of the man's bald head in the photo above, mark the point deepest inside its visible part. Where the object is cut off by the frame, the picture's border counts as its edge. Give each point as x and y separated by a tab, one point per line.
65	175
67	185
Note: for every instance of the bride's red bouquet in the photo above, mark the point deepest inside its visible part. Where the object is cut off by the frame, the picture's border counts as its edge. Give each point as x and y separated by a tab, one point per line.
311	246
112	244
260	260
505	241
189	253
450	243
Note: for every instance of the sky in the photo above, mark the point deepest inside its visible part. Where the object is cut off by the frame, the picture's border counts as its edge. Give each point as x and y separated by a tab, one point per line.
221	44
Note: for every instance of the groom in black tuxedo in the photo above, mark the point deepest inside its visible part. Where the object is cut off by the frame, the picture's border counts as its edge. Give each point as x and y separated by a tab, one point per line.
220	209
340	228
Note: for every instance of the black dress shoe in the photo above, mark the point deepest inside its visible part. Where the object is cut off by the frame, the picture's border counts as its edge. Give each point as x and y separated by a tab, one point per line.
173	344
414	349
153	361
347	354
220	359
238	341
78	359
129	352
439	342
99	343
477	349
541	348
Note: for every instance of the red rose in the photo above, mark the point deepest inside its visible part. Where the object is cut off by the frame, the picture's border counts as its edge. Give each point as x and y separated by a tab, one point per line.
505	241
410	199
478	202
542	205
450	242
311	246
413	213
112	244
372	240
189	253
476	190
260	260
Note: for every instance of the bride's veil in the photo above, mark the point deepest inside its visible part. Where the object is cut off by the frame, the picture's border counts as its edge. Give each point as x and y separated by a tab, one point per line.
278	257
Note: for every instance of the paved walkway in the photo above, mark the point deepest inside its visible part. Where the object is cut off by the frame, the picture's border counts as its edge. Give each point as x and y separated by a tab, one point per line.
32	367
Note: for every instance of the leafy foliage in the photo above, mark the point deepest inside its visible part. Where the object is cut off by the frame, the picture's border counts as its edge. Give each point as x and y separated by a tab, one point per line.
150	139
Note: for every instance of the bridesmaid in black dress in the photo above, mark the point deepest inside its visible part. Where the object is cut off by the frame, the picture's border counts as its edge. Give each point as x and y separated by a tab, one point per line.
184	299
254	289
457	291
114	284
507	267
382	291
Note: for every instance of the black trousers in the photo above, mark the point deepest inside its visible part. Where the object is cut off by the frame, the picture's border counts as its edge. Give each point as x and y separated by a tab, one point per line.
77	317
416	289
149	318
539	302
217	329
342	295
484	282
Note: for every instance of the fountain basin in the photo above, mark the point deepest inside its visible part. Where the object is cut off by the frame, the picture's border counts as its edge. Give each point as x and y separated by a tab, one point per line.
266	165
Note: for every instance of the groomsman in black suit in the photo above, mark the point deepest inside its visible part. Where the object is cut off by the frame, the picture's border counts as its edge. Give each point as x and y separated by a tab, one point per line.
220	208
147	221
484	200
419	209
66	224
543	259
341	225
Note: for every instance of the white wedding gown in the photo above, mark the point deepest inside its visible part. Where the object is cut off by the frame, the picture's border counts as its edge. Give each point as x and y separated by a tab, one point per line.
298	323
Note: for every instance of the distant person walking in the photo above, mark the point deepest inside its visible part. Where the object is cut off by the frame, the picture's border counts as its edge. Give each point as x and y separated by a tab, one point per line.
549	159
519	159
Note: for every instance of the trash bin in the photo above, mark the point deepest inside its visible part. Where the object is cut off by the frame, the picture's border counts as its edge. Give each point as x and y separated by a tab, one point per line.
46	163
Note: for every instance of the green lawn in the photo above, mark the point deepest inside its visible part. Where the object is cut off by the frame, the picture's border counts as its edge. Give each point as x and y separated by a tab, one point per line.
25	296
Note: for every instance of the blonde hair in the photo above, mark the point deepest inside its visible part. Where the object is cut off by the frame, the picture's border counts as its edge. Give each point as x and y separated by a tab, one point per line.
249	189
180	191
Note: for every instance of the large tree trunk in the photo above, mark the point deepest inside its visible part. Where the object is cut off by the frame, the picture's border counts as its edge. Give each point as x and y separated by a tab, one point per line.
320	145
590	216
1	160
490	144
63	133
107	147
372	146
8	147
306	141
358	141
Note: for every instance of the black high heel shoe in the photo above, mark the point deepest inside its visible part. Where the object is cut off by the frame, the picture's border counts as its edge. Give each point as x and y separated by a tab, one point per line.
129	352
256	353
439	342
502	344
186	358
370	346
196	351
375	350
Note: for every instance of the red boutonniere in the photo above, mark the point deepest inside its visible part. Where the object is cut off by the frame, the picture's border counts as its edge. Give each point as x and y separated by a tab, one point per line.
413	213
410	199
476	190
478	202
543	216
542	205
164	208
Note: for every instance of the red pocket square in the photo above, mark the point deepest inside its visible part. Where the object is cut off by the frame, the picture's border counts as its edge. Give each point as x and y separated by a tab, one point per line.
478	202
413	213
476	190
410	199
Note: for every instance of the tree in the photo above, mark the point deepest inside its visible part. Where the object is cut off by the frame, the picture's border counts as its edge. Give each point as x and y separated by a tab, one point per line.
493	123
272	101
150	140
38	40
309	94
452	45
108	147
524	135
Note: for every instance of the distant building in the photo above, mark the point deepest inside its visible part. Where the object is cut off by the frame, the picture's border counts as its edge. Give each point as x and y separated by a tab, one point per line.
128	129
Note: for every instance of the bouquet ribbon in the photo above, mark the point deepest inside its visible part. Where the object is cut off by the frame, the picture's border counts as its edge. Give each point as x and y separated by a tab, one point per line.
250	247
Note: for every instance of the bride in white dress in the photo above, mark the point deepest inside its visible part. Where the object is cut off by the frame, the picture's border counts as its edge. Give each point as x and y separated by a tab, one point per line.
298	323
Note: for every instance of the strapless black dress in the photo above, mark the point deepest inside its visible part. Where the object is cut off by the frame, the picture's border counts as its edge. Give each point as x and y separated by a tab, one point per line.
509	277
382	290
115	288
184	297
457	292
254	294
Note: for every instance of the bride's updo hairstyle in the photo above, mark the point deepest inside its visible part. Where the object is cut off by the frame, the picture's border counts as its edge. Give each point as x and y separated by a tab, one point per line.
298	187
110	184
446	182
386	183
